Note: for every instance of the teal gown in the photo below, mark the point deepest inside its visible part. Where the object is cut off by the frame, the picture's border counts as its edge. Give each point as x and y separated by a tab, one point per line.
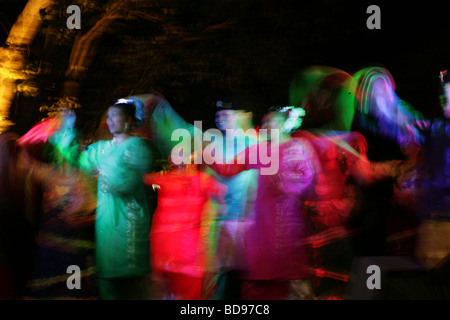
122	217
122	223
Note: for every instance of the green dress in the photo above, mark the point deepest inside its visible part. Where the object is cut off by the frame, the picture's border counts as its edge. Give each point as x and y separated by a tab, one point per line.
122	217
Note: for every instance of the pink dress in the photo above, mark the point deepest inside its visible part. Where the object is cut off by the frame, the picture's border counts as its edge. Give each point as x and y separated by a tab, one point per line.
274	242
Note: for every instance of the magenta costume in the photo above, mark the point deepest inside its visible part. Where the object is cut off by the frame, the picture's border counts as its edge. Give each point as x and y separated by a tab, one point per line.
274	242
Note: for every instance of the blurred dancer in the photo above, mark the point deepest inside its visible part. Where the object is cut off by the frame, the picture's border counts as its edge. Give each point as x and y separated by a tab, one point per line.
327	95
341	166
180	237
275	252
392	128
335	207
230	118
122	217
64	234
434	200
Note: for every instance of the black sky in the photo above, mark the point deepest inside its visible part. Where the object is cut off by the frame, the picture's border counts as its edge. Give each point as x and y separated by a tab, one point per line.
287	36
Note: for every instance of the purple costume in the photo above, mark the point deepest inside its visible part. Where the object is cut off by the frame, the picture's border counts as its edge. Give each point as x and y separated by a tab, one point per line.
274	241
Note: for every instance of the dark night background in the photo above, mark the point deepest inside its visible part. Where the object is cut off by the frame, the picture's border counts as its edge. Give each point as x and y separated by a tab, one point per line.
195	52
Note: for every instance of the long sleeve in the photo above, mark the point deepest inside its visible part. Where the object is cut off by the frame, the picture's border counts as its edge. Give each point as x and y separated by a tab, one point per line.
88	159
66	148
164	121
67	151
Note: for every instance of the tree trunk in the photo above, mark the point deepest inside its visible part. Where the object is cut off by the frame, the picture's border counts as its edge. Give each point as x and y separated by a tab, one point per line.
84	49
13	54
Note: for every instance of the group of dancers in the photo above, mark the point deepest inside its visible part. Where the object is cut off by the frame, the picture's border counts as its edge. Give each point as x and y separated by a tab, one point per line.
197	230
